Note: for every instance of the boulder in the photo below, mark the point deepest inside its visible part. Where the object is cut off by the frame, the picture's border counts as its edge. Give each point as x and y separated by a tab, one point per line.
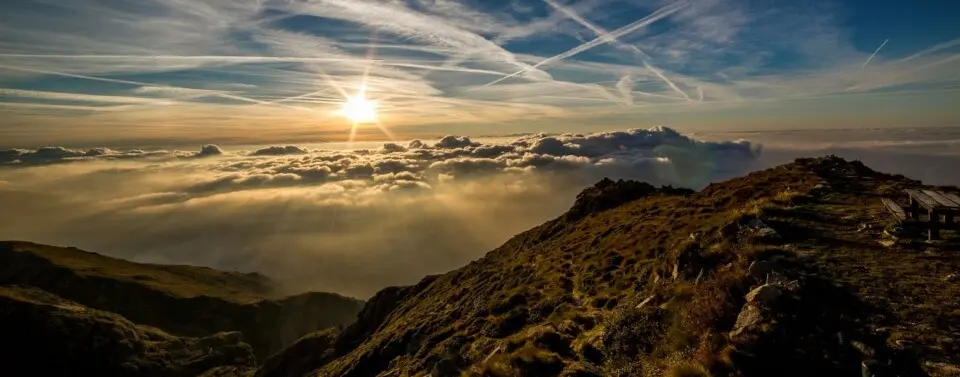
749	318
762	232
764	295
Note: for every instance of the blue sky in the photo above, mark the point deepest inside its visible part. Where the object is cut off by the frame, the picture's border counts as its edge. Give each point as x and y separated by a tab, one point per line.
115	72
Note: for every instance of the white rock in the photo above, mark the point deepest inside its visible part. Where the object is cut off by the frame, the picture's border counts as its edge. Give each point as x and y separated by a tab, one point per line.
766	295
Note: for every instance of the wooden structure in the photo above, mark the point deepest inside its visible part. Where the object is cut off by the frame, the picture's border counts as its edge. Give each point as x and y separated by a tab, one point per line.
935	204
895	209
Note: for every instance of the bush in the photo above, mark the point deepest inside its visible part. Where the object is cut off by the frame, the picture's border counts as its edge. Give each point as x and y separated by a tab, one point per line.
631	331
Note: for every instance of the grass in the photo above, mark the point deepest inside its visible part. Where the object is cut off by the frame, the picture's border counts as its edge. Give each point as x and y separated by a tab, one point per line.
568	289
180	281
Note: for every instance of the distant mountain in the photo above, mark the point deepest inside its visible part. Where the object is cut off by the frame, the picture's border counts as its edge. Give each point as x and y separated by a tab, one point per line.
778	273
121	298
792	271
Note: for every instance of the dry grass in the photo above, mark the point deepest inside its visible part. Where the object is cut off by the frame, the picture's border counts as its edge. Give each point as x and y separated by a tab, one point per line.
179	281
581	279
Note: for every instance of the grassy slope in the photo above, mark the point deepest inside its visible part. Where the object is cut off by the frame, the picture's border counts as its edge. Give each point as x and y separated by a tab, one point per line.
182	300
178	281
561	298
47	335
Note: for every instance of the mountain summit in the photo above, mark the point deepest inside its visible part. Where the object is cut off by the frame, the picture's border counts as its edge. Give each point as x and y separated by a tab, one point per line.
780	272
796	270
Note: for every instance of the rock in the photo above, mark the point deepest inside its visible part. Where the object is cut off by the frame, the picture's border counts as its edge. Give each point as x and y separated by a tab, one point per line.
888	243
445	368
762	232
689	262
749	317
951	278
608	193
864	349
759	270
864	227
765	295
941	369
645	302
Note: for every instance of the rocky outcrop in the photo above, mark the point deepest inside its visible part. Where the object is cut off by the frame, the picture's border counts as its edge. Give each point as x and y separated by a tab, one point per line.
608	194
47	335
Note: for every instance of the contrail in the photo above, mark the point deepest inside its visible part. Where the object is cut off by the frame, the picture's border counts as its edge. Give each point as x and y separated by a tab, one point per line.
665	79
874	54
138	83
603	33
636	25
934	48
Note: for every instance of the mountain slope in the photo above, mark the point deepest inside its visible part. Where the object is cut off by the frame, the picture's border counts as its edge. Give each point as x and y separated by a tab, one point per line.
182	300
46	335
776	273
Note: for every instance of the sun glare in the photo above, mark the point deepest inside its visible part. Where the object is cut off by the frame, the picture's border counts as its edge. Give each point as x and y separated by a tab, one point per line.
359	109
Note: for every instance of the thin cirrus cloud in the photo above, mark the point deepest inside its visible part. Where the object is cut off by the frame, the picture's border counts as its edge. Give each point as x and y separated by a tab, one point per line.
83	72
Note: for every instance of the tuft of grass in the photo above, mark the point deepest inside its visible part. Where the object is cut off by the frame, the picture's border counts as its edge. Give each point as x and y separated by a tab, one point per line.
787	197
689	369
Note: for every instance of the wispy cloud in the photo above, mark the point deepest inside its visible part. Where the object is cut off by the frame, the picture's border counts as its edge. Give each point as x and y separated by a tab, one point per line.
287	65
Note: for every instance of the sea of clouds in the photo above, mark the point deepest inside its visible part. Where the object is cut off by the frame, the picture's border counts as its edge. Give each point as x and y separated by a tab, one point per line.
346	221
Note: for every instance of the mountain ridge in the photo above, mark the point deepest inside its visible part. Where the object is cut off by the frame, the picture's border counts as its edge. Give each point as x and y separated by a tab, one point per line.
183	300
637	280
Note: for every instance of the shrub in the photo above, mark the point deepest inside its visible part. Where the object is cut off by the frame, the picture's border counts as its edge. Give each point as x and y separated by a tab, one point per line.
630	331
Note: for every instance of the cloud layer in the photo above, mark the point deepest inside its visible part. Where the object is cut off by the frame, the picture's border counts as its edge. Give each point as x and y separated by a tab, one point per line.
346	221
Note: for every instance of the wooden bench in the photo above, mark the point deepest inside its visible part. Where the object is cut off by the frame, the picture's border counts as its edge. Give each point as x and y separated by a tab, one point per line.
895	210
935	203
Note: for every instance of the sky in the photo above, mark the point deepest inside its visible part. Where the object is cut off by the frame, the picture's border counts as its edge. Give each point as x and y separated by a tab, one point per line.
185	72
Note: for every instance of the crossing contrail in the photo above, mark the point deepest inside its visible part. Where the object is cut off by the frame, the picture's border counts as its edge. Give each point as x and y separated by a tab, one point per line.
613	35
874	54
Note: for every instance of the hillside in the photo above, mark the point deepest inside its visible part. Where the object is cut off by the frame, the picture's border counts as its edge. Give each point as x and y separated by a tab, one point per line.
180	300
781	272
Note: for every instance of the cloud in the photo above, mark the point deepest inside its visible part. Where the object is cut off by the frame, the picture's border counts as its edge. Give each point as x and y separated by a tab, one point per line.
339	220
279	151
52	155
209	150
239	66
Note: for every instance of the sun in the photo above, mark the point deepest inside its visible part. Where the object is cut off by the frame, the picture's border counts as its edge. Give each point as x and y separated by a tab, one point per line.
359	109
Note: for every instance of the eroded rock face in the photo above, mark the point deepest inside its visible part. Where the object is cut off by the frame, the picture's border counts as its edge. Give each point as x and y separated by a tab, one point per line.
72	339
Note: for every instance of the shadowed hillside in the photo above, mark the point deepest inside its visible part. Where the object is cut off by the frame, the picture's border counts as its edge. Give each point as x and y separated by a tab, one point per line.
780	272
182	300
